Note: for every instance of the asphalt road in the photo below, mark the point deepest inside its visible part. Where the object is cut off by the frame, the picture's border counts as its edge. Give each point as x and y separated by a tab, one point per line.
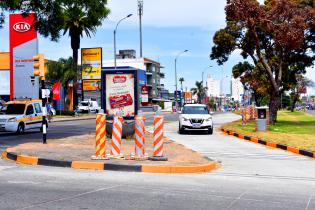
251	177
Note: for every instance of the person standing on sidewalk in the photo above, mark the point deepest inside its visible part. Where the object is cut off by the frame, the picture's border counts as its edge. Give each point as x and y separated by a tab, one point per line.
49	112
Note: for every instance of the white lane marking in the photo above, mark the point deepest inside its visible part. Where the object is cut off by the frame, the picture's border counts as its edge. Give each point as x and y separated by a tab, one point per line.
70	197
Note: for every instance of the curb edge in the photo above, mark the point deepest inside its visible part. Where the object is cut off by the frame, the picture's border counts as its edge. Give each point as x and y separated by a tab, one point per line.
270	144
32	160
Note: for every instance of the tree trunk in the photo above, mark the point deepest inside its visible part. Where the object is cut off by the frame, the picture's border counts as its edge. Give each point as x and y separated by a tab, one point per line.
295	99
274	105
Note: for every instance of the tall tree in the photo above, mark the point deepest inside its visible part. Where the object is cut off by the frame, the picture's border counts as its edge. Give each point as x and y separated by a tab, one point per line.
199	90
277	36
61	71
82	17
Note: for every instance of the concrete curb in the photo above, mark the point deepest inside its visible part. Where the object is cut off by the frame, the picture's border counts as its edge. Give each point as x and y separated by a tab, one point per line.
270	144
56	120
31	160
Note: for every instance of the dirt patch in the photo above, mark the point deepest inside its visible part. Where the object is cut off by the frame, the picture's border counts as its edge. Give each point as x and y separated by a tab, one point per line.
81	148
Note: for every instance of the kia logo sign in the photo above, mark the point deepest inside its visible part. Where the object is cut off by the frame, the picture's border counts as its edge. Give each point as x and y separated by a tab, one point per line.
21	27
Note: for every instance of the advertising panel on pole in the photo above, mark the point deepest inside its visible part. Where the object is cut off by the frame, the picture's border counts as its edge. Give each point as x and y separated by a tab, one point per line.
144	95
120	94
188	97
56	91
23	46
91	85
91	60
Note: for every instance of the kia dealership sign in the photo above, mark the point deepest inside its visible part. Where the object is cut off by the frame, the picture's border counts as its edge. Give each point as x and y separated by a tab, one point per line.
22	27
23	46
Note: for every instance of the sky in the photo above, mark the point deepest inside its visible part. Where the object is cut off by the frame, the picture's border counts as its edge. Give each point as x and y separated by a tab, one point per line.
169	27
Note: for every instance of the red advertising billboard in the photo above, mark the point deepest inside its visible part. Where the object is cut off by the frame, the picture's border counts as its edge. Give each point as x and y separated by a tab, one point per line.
144	95
120	94
56	91
23	46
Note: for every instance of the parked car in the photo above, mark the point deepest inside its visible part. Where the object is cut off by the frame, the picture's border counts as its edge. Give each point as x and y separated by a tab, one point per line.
88	106
195	117
21	115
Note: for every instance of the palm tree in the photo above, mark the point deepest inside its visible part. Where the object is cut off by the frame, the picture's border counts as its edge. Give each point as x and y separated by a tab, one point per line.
61	71
181	80
82	18
199	90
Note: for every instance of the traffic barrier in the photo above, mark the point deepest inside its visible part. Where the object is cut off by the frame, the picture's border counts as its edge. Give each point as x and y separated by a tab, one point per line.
116	137
243	115
139	140
158	139
100	137
143	148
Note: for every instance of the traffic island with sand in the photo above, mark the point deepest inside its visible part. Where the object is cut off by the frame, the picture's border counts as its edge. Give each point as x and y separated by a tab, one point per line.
70	151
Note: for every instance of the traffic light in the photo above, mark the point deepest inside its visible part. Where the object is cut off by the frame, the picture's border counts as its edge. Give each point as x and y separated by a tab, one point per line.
39	66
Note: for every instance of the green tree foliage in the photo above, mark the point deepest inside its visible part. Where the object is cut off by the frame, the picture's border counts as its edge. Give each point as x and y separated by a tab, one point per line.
61	71
199	90
73	17
278	37
82	17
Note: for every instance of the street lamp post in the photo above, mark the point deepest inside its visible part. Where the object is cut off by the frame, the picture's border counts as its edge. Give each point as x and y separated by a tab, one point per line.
206	80
176	75
115	37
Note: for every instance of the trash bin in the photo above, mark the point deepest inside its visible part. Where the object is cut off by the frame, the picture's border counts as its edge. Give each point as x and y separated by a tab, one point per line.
261	120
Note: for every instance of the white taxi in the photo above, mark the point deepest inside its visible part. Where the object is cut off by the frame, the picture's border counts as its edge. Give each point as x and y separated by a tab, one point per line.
21	115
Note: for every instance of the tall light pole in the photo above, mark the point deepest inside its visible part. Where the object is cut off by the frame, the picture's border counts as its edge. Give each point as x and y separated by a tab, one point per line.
140	11
115	37
176	75
206	80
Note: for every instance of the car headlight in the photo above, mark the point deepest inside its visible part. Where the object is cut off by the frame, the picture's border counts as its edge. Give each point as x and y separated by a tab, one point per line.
185	119
209	119
12	119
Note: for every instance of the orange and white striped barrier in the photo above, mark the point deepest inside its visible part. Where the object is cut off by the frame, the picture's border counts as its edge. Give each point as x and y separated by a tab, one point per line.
243	115
143	148
100	137
116	137
139	133
158	139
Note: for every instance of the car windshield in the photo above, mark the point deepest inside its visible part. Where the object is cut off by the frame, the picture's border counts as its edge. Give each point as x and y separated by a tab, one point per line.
15	109
84	103
195	110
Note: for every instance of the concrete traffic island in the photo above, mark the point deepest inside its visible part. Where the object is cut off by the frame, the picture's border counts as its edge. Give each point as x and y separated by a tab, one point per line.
76	152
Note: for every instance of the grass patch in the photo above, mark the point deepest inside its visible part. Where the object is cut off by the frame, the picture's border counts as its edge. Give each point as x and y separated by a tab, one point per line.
295	129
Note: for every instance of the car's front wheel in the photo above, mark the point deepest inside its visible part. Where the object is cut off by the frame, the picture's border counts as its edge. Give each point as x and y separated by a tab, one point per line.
180	129
210	131
20	129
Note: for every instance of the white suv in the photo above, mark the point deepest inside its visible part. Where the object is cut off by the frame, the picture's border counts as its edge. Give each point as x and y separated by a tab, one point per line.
195	116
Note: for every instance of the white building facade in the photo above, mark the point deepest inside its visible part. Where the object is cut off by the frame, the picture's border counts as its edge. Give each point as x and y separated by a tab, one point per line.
213	87
237	89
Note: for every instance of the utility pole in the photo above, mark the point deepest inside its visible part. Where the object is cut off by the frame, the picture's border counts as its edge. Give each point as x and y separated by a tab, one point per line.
140	11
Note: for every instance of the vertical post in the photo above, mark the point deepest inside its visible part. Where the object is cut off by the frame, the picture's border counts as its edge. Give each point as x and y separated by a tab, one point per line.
115	49
44	128
140	7
175	84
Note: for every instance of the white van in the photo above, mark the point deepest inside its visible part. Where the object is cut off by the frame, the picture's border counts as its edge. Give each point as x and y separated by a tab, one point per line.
88	106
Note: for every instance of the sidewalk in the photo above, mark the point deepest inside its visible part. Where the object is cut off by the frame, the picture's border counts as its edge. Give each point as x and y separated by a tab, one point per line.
63	118
79	149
